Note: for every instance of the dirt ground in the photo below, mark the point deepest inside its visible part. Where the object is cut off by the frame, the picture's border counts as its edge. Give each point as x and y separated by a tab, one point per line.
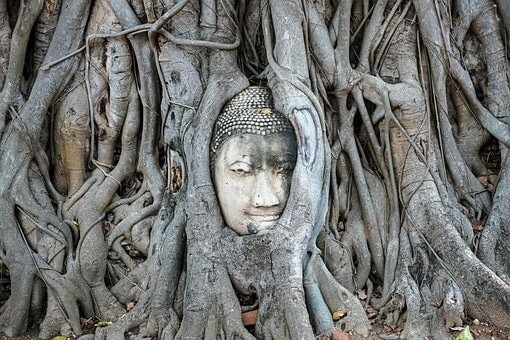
481	331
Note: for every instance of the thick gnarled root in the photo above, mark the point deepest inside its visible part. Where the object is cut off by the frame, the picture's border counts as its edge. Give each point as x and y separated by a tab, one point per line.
211	309
344	308
430	309
282	314
55	323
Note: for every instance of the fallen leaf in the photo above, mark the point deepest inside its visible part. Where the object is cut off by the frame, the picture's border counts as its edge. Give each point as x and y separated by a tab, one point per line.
387	329
50	5
337	315
76	224
465	335
103	323
371	312
60	337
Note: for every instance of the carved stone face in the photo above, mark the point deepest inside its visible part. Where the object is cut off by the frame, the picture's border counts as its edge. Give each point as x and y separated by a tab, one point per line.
252	174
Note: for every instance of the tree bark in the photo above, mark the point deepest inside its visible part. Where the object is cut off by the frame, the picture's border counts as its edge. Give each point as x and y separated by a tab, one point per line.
399	198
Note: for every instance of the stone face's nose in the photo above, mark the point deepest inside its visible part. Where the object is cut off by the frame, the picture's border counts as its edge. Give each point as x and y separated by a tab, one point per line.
265	191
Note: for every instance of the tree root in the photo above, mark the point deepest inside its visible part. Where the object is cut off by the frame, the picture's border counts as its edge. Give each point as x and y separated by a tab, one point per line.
282	313
14	318
212	312
339	299
136	216
65	294
71	139
493	247
16	256
55	323
21	33
202	306
5	41
128	321
337	257
423	256
493	302
153	313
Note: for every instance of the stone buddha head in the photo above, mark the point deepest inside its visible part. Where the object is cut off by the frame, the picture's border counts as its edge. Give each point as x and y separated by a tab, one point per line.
253	154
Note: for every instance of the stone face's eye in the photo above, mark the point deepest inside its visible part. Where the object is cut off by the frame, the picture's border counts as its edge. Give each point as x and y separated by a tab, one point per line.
284	168
241	168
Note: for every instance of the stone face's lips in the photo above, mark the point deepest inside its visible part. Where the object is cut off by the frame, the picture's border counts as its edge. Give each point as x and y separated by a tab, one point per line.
264	218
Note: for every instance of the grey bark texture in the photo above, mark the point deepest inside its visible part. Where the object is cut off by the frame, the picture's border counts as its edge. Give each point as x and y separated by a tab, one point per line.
110	227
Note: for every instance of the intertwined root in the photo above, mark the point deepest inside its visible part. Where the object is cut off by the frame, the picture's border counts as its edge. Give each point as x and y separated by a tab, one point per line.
341	303
387	189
